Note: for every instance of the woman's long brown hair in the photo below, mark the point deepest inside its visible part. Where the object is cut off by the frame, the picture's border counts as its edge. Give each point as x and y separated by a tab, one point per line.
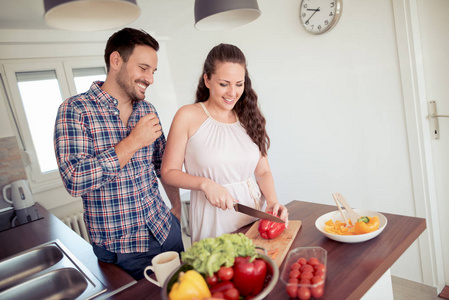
247	108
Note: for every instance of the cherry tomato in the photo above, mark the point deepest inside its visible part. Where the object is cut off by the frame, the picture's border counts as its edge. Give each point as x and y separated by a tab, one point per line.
292	290
305	281
302	261
313	261
306	268
317	279
320	267
218	295
303	293
232	294
319	273
307	275
295	266
318	291
294	274
212	280
225	273
293	280
222	286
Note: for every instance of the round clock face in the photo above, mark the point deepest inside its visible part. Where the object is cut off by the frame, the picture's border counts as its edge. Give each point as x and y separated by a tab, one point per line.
319	16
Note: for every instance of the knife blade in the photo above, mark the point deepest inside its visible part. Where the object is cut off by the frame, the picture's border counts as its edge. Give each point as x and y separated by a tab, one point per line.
256	213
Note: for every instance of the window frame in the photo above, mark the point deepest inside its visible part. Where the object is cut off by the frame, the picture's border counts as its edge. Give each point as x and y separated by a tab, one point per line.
64	74
70	64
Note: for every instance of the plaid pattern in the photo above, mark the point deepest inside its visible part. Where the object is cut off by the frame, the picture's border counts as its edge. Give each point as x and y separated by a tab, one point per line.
119	205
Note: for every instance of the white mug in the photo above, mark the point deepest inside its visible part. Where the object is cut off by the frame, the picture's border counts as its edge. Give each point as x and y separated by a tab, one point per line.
162	265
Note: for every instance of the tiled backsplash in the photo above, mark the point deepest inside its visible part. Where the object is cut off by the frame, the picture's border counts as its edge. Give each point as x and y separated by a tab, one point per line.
11	164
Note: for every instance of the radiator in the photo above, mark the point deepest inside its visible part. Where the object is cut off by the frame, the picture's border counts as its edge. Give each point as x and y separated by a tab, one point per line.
76	223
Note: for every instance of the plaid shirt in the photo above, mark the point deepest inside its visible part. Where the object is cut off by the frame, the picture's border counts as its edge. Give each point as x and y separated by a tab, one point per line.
120	205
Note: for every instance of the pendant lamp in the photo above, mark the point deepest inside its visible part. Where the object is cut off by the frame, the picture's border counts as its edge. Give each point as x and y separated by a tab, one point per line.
90	15
212	15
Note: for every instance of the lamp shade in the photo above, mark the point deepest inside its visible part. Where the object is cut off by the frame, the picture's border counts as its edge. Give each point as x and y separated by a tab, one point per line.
212	15
90	15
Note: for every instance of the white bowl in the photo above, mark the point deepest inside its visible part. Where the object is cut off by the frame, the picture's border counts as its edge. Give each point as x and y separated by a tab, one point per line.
336	216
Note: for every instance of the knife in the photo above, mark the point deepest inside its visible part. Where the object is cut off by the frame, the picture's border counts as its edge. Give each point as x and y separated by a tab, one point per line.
256	213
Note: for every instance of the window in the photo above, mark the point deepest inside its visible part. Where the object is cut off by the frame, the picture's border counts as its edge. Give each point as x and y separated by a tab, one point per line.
36	89
84	78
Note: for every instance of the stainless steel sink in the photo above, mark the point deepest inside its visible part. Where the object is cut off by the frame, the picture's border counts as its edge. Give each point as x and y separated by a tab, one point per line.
48	271
27	264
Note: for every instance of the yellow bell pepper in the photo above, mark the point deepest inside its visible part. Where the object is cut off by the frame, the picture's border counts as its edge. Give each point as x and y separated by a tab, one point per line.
366	225
190	285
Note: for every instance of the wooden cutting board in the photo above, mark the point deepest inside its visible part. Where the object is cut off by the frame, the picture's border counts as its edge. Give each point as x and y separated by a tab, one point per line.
278	247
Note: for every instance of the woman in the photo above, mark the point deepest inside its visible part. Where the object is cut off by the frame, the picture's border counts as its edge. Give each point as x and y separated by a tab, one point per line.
222	142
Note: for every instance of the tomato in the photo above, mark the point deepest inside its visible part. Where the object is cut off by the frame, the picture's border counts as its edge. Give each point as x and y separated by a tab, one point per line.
295	266
293	280
303	293
292	290
294	274
212	280
302	261
306	268
232	294
225	273
318	291
305	272
320	267
218	295
317	279
222	286
313	261
307	275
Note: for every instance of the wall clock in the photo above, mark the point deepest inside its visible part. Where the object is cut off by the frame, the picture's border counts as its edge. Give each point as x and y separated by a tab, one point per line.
320	16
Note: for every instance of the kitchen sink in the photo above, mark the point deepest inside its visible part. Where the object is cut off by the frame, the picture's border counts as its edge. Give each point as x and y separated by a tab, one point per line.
27	264
48	271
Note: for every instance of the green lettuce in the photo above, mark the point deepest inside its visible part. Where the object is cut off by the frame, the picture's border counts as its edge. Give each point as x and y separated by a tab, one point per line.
208	255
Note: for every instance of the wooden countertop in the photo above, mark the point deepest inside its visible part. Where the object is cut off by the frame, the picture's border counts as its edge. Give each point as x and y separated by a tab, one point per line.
352	268
49	228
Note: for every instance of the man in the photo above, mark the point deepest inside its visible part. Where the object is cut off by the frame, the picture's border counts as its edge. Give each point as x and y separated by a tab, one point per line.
109	145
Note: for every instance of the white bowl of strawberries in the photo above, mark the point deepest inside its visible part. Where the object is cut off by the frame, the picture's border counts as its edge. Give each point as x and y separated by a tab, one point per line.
304	272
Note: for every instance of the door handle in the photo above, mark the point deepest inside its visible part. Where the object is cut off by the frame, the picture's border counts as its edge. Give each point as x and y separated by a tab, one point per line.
433	116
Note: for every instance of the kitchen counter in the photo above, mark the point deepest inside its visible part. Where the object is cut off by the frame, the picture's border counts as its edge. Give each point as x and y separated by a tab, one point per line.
353	269
49	228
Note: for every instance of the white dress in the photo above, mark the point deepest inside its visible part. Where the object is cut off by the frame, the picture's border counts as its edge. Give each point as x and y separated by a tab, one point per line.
227	155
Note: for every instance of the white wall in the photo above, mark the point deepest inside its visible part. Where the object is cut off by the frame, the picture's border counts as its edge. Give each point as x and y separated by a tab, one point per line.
333	103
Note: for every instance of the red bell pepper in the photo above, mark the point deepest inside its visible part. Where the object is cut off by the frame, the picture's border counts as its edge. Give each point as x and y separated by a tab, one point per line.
249	277
269	229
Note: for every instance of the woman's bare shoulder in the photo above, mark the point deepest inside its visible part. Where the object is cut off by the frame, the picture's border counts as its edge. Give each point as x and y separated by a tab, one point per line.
190	111
189	117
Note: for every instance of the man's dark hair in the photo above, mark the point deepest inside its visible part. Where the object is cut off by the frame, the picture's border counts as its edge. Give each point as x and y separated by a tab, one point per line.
124	42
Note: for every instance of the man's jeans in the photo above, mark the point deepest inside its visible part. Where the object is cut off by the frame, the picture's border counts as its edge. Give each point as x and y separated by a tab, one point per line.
135	263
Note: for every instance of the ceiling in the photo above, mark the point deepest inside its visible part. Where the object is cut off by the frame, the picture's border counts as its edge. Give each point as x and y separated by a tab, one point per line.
159	16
